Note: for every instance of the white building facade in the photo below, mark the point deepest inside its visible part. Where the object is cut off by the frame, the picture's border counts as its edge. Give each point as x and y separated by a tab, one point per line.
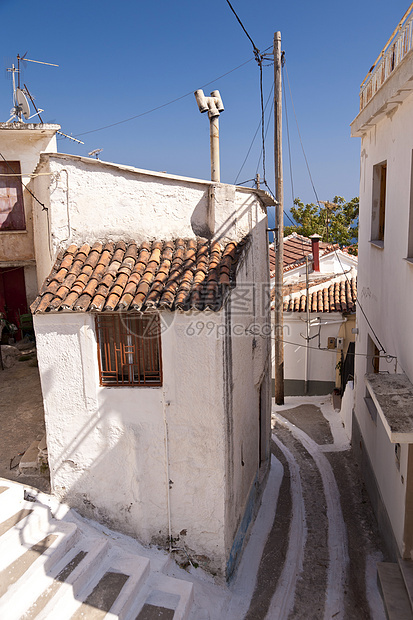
20	148
383	418
183	460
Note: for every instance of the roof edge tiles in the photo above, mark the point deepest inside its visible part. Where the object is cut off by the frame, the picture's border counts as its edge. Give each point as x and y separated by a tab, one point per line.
339	296
181	274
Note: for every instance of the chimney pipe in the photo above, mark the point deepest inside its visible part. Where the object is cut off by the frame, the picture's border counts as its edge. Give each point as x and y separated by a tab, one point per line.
315	245
213	105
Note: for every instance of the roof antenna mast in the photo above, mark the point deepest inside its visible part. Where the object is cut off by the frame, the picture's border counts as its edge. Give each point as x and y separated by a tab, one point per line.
20	102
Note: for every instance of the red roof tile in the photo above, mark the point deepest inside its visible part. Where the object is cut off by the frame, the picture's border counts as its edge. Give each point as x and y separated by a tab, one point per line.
340	296
182	274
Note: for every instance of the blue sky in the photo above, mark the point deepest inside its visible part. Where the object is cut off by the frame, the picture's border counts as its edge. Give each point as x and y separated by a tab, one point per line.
118	60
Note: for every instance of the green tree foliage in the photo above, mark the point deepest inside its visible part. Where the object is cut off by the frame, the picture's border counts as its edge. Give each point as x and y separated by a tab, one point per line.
337	219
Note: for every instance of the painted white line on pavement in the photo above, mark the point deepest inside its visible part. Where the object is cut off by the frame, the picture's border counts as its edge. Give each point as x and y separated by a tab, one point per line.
282	602
244	584
337	535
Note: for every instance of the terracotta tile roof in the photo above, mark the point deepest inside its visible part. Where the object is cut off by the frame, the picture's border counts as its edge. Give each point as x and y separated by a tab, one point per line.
179	274
340	296
296	248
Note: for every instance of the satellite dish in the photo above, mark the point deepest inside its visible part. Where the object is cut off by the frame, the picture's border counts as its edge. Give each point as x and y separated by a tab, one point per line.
22	103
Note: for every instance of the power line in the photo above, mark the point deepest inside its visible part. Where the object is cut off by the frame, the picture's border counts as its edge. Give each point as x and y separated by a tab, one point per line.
266	131
288	141
253	139
299	135
25	186
259	58
360	306
387	357
163	105
318	202
254	47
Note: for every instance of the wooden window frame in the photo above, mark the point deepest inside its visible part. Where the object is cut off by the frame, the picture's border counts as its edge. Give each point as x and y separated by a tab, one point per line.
129	349
11	198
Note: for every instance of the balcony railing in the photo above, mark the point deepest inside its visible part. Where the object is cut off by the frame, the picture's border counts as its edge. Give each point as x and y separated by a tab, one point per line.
396	48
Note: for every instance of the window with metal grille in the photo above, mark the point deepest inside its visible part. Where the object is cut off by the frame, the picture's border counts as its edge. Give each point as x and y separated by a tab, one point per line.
11	197
129	349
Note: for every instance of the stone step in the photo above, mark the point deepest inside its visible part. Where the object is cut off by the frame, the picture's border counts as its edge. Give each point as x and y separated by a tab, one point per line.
113	587
165	596
27	539
72	572
56	565
395	597
406	569
29	463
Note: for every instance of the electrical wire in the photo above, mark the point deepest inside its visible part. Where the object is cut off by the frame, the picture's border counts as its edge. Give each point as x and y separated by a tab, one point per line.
284	212
163	105
265	137
299	135
387	357
253	139
259	58
383	350
244	182
25	186
288	141
318	202
254	47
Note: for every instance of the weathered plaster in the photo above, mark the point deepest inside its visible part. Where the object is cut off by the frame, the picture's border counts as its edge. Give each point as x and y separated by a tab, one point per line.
122	454
385	282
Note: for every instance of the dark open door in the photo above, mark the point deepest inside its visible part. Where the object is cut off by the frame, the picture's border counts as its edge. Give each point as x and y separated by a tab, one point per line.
13	301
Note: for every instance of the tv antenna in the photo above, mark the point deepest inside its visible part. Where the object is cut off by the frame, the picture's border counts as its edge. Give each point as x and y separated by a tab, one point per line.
20	102
95	153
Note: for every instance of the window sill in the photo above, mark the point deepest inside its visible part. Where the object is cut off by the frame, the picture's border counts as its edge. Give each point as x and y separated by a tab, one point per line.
13	232
409	259
377	243
371	408
392	396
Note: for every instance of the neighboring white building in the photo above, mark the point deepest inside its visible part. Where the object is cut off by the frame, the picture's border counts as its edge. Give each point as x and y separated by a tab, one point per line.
383	421
315	366
20	148
153	348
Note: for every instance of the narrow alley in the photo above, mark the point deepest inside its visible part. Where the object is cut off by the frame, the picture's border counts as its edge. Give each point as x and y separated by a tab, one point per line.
314	547
319	560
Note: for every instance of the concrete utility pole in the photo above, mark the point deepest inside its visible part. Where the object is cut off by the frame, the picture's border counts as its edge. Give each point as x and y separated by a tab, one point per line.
279	233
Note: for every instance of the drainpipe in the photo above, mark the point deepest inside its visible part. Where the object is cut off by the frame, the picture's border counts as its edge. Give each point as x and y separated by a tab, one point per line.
315	245
213	105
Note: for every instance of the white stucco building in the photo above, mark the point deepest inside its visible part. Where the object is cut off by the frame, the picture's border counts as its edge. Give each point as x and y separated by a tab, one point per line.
383	421
20	148
153	348
316	343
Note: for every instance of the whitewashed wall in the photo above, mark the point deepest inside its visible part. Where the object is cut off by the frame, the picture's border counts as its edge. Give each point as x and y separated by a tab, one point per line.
385	285
321	364
115	469
91	200
247	362
107	449
24	143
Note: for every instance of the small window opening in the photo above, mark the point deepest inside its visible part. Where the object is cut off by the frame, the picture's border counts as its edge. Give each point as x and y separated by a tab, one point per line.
378	215
11	197
129	348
